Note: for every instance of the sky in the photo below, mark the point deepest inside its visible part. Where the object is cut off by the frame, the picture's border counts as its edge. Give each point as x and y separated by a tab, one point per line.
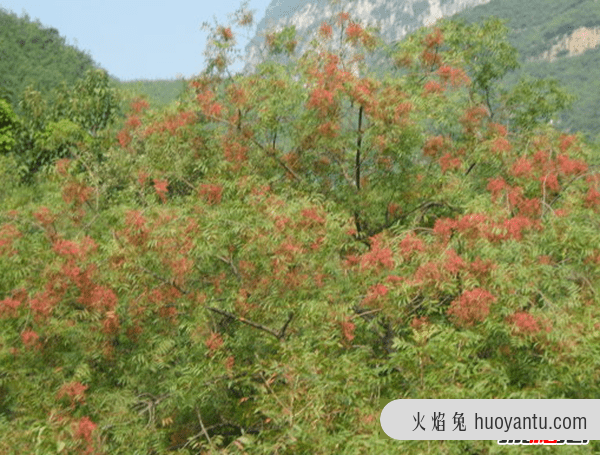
138	39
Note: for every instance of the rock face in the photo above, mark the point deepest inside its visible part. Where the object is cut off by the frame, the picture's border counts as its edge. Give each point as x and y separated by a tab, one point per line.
572	44
395	18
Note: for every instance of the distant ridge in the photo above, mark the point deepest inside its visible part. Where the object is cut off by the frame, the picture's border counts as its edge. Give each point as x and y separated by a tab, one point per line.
394	18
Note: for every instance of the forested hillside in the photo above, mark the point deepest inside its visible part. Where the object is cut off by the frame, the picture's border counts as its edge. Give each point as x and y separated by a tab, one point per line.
535	28
32	54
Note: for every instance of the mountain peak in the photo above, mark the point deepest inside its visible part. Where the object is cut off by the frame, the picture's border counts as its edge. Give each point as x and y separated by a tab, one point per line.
394	19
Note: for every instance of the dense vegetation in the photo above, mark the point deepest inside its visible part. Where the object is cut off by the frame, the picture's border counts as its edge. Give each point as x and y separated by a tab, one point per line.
262	265
33	55
158	92
534	27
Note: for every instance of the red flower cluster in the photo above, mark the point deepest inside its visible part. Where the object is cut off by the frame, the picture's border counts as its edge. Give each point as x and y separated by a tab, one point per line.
322	100
312	216
137	230
348	328
526	324
530	207
375	292
454	263
522	167
449	162
419	322
495	186
209	107
432	87
76	192
402	110
435	38
237	95
343	17
473	118
428	273
500	145
568	166
354	32
409	244
84	429
44	302
378	255
550	182
566	142
98	297
516	225
431	58
161	188
433	146
226	33
471	307
180	267
497	128
124	138
328	129
174	123
8	234
138	105
325	30
30	338
214	342
44	216
234	152
62	166
133	122
593	197
211	193
9	307
475	226
75	391
72	250
453	76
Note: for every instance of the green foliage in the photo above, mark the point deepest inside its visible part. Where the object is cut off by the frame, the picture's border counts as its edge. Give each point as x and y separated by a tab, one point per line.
534	102
487	53
261	266
160	92
94	104
55	142
8	123
48	129
36	55
535	27
283	42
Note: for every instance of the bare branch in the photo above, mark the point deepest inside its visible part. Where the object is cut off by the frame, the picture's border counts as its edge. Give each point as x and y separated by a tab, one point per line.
230	263
203	429
277	334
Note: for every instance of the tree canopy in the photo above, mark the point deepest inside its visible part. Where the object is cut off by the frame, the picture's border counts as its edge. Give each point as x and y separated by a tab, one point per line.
263	265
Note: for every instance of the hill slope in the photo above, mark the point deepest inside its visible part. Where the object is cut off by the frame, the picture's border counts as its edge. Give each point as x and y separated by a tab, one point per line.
31	54
555	38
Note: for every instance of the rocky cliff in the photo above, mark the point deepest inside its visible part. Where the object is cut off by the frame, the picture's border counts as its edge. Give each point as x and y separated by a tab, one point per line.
572	44
394	18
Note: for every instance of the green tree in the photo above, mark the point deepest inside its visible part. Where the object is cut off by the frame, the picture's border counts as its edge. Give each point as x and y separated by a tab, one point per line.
94	103
334	252
50	126
8	122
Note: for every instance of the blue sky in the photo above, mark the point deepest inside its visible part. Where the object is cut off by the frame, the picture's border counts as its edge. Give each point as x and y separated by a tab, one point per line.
135	39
